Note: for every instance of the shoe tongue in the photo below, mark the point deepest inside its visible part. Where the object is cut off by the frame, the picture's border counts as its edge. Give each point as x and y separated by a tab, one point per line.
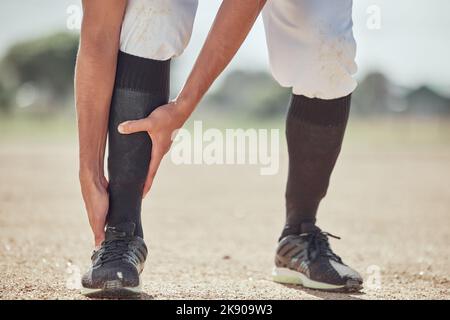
309	227
123	230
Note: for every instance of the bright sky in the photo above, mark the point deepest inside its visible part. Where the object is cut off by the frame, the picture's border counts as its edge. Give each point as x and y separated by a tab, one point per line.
412	46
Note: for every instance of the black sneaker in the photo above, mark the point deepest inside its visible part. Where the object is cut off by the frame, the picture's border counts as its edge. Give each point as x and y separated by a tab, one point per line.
117	265
308	260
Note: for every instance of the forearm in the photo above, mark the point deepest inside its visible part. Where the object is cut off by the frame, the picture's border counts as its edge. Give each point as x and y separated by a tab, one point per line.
231	26
94	79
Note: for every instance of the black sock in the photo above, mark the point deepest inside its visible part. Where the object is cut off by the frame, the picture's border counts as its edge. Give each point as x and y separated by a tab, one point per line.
314	131
141	86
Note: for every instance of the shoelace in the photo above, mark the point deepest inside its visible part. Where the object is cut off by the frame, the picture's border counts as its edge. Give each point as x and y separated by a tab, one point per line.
319	245
113	250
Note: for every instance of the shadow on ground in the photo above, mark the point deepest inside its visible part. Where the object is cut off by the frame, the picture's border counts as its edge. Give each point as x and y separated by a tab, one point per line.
326	295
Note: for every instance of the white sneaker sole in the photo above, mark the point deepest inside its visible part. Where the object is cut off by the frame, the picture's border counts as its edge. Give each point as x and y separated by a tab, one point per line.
288	276
112	289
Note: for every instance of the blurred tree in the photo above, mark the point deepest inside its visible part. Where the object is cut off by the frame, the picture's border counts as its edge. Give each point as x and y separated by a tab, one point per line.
254	93
37	75
45	64
426	102
6	99
371	95
377	96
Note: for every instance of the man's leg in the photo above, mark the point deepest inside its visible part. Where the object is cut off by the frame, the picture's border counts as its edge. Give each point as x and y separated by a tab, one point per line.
314	132
312	49
141	86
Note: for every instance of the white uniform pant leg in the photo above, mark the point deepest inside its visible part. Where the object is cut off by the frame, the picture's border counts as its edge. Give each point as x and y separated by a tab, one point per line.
311	46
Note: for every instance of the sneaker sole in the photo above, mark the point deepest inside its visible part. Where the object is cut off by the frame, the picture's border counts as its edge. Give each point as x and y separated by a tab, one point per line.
113	290
288	276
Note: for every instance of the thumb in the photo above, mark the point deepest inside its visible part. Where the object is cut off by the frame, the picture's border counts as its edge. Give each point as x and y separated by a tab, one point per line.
134	126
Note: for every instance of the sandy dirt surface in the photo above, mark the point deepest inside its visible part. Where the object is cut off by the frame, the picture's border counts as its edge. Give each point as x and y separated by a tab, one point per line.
212	230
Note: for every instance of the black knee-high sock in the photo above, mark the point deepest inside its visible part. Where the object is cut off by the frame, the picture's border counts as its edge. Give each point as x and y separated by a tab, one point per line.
141	86
314	131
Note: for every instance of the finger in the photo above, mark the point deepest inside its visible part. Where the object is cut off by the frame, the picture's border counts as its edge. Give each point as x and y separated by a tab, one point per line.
134	126
155	161
98	228
105	182
99	237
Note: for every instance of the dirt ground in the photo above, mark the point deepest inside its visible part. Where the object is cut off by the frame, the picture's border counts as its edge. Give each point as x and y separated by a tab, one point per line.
212	230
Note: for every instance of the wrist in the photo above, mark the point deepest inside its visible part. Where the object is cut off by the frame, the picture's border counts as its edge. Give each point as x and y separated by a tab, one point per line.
186	103
90	176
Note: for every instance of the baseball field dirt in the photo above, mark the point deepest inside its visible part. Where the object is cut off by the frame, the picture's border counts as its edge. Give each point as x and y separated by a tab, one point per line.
212	230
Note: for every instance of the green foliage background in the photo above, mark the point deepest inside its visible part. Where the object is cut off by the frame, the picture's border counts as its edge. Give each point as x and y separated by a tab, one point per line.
36	80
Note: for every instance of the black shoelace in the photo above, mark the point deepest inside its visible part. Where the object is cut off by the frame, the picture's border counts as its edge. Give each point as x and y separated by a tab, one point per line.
320	247
113	250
